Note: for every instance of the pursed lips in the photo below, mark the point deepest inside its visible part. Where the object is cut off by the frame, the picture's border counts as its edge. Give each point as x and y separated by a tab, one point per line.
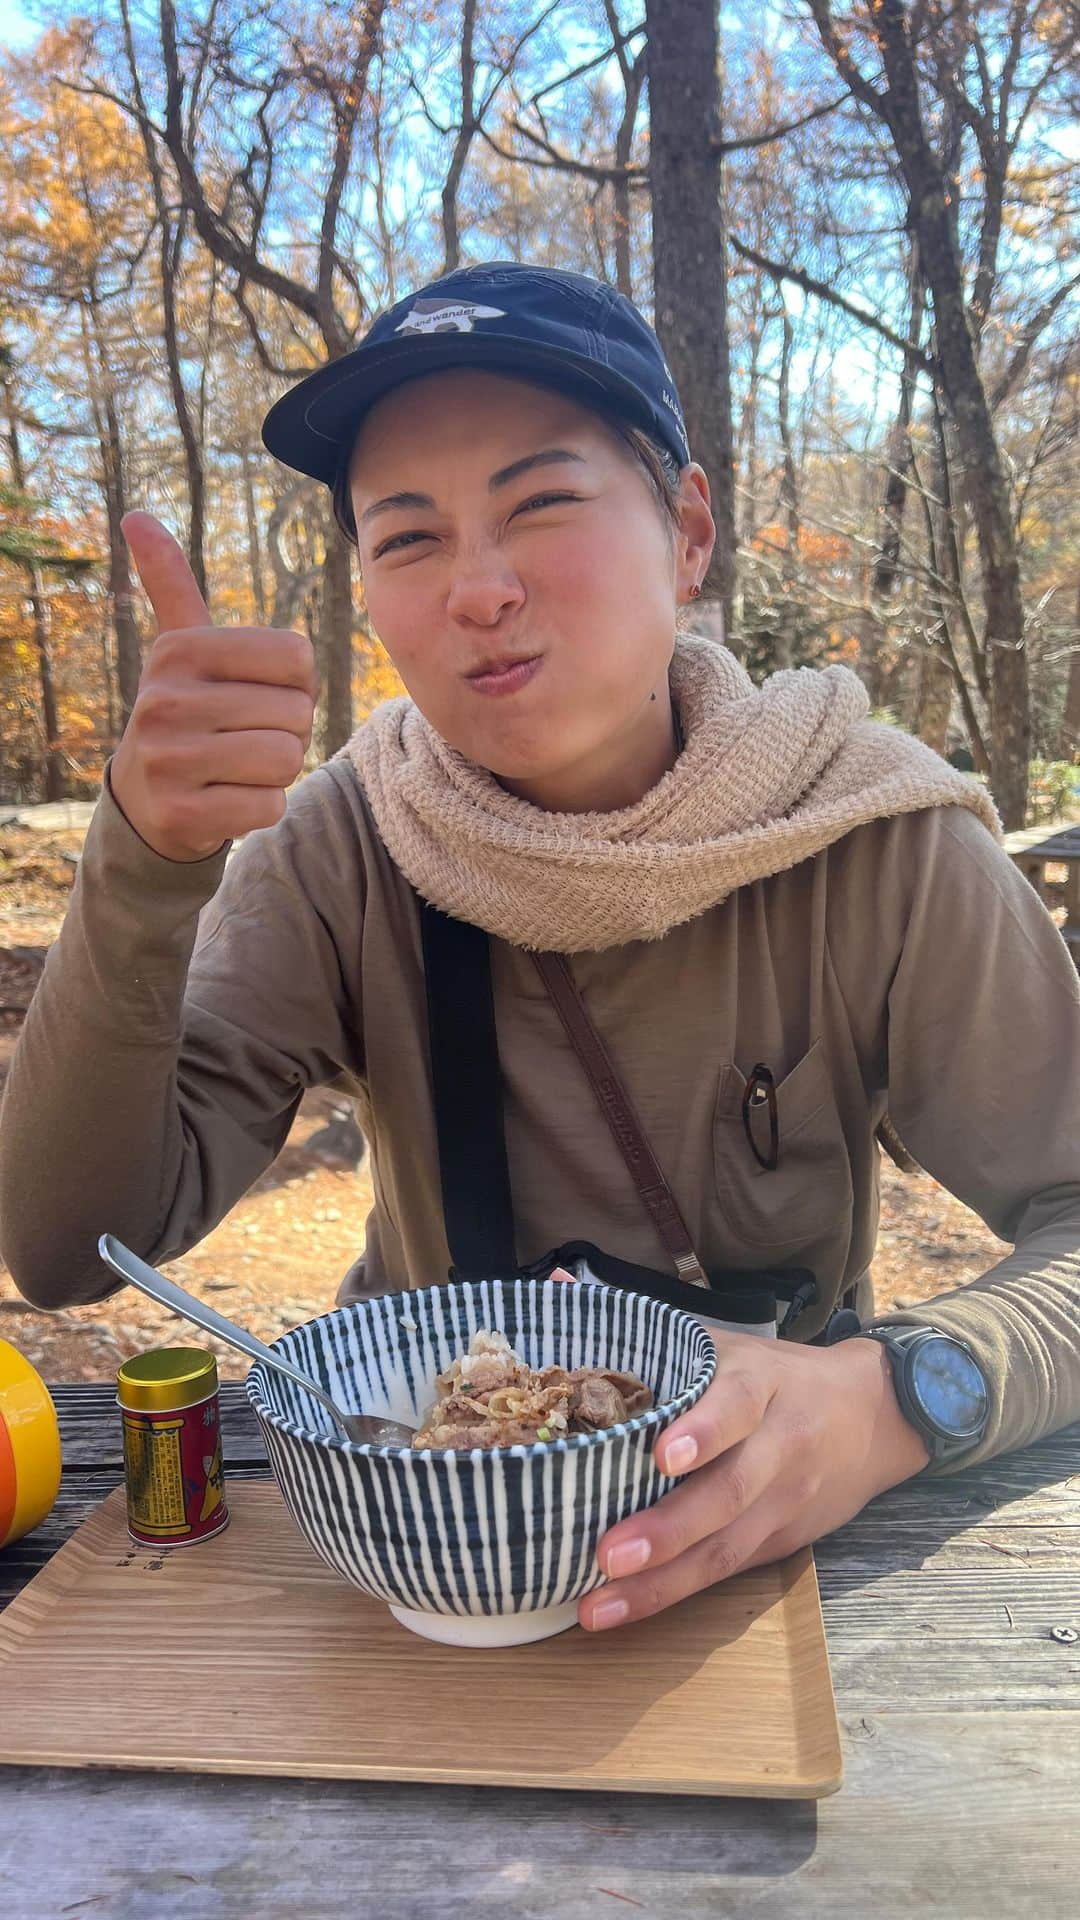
504	664
505	677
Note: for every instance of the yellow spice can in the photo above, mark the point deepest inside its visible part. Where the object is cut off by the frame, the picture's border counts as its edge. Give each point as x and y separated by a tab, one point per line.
173	1467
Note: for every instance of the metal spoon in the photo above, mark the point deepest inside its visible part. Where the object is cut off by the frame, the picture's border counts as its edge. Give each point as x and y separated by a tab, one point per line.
367	1429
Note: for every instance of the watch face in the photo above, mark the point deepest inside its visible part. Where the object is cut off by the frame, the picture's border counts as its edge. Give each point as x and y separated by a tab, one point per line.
949	1387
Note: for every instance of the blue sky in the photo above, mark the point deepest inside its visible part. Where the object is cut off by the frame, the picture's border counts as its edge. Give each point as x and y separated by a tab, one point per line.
15	28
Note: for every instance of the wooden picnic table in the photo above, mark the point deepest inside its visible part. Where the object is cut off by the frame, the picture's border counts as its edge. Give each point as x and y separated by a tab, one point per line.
1034	849
958	1712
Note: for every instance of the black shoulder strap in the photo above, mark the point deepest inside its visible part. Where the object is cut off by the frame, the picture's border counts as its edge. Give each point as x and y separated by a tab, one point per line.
467	1088
473	1167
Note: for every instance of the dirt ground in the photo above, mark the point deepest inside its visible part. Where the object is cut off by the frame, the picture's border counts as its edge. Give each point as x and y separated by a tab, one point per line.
278	1257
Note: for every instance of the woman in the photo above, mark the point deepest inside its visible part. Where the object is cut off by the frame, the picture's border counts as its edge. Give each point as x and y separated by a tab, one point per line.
780	917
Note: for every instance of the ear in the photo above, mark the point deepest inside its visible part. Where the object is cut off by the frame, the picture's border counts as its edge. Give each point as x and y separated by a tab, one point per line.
697	530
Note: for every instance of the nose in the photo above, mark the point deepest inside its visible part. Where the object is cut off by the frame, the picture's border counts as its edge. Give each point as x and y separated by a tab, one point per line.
483	588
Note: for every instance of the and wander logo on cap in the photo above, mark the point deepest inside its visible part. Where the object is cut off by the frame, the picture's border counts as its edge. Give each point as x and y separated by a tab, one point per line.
673	406
437	316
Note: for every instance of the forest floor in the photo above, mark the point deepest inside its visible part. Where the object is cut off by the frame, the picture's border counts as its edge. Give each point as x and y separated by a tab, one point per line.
278	1257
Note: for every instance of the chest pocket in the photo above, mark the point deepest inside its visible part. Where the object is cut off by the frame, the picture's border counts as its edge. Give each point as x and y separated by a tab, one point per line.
809	1193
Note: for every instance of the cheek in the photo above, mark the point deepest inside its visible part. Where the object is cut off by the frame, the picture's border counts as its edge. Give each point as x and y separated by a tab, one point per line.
570	568
611	567
610	599
406	610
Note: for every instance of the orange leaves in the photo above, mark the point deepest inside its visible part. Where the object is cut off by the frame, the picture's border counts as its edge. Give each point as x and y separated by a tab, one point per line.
70	614
842	646
375	679
815	548
72	174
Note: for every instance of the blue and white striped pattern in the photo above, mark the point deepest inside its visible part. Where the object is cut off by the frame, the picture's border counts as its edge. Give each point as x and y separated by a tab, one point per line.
505	1532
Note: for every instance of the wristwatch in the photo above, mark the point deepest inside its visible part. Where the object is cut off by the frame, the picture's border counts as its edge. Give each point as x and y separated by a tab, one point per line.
940	1386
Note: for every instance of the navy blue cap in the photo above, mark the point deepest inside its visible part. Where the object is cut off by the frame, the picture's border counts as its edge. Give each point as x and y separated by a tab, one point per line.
565	329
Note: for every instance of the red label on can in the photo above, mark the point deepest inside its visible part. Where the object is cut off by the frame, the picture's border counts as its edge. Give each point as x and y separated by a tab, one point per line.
175	1478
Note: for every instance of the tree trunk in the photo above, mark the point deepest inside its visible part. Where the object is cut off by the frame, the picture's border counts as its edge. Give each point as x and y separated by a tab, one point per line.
291	585
786	626
1069	748
935	698
52	762
251	519
106	421
893	504
937	682
171	247
949	606
746	441
689	251
171	242
336	631
871	634
465	132
1010	718
108	674
128	645
900	686
52	758
633	79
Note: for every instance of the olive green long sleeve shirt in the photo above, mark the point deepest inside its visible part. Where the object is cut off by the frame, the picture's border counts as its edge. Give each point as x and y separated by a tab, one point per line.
185	1008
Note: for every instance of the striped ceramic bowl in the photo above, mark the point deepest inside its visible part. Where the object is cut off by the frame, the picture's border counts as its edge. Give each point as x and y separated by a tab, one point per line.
478	1549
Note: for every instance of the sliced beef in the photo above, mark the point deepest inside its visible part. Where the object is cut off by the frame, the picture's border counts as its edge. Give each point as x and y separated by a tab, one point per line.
490	1398
597	1403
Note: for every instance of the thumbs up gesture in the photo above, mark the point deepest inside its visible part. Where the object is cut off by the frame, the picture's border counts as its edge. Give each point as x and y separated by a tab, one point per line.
221	720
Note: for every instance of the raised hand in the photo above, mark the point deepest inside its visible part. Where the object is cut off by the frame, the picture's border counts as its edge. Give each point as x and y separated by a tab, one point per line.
222	718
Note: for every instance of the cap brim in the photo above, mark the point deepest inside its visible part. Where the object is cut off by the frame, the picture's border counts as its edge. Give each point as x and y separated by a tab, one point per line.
313	424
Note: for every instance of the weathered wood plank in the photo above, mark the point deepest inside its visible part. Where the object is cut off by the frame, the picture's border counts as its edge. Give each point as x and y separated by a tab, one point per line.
91	1433
957	1814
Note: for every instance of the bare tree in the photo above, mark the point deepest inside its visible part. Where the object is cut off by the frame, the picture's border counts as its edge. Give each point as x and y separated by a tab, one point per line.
466	131
894	496
52	757
690	251
102	395
789	499
475	108
1070	726
537	143
234	232
171	234
896	98
292	171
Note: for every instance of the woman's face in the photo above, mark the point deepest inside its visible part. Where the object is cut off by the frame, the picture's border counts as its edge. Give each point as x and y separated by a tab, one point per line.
500	523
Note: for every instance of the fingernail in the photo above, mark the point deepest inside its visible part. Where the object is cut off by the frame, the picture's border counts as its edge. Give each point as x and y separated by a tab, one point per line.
681	1454
609	1613
629	1557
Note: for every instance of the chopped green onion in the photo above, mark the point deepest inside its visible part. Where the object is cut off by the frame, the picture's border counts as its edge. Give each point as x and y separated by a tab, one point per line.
543	1433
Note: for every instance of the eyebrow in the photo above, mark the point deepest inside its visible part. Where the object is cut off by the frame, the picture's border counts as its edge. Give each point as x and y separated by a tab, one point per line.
547	456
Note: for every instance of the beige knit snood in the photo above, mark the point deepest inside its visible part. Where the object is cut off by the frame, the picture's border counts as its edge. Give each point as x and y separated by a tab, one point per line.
768	776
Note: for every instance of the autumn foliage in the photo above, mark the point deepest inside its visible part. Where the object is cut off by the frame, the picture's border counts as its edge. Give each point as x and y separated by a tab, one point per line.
196	208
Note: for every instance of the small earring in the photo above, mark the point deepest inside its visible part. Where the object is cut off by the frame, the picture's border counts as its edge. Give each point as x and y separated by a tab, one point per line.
695	593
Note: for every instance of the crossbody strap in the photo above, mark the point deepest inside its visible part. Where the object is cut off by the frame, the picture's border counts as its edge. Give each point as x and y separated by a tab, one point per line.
628	1133
467	1095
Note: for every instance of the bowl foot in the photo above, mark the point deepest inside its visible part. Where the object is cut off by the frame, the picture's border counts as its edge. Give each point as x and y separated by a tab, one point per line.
489	1629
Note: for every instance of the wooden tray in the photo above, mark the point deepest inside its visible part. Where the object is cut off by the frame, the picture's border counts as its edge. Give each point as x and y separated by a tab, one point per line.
245	1654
